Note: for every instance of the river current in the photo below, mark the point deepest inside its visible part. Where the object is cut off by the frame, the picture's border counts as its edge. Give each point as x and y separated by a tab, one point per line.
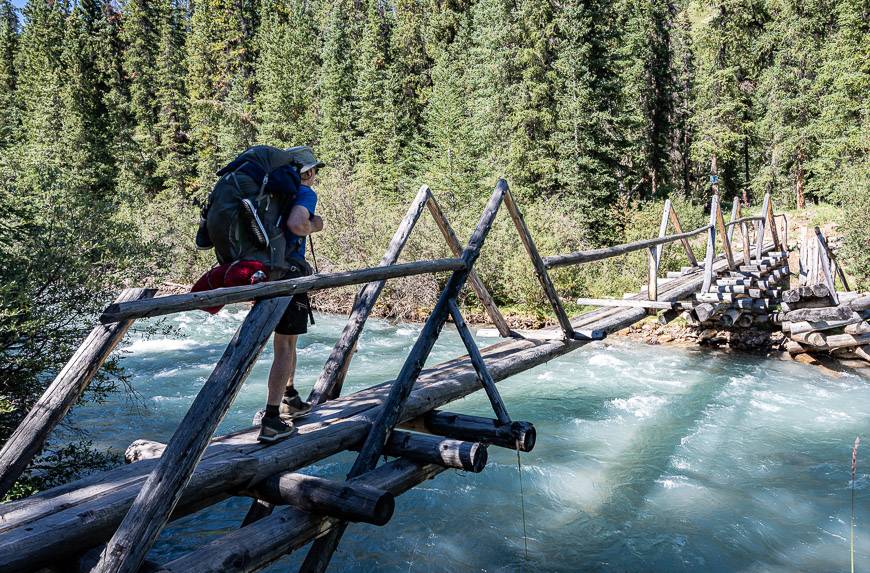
648	458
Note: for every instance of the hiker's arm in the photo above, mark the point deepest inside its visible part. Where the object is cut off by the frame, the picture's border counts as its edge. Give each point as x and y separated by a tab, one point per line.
302	223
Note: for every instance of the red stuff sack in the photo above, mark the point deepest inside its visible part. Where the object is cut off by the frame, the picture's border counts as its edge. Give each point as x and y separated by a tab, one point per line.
237	273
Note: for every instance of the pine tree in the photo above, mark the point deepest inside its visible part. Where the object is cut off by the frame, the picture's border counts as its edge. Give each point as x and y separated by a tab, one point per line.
682	135
531	160
646	93
586	138
336	86
728	60
221	56
375	94
8	48
287	63
174	154
410	70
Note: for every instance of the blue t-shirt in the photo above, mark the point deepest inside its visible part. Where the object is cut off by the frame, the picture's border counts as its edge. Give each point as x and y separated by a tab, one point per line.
296	244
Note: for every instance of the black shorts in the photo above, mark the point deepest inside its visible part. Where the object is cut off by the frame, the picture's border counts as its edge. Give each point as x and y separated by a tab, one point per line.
295	319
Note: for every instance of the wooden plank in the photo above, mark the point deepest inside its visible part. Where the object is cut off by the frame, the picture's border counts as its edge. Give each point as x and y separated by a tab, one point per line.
678	227
476	284
229	295
538	265
151	509
66	389
329	382
608	252
321	551
486	380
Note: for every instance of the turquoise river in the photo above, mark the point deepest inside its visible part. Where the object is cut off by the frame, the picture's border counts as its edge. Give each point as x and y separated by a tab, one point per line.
649	458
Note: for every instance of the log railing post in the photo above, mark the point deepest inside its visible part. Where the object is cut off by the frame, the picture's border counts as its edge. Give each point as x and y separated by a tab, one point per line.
762	227
479	288
678	229
323	548
726	240
653	282
663	230
827	275
160	493
479	365
735	214
823	243
711	247
538	264
328	385
64	391
771	220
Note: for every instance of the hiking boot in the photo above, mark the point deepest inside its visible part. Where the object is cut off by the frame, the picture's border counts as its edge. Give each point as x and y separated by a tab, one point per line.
294	407
273	429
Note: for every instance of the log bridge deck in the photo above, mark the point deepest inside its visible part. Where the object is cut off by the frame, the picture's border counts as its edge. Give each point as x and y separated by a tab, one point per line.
108	521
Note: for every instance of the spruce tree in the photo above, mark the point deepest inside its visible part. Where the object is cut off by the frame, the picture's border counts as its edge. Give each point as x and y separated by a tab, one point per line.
287	65
410	70
8	47
336	86
531	158
682	179
586	142
375	96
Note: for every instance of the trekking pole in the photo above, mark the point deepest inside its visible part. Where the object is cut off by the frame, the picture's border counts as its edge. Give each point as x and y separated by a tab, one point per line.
313	256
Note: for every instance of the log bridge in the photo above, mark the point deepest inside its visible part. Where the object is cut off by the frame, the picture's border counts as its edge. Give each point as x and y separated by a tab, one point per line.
108	521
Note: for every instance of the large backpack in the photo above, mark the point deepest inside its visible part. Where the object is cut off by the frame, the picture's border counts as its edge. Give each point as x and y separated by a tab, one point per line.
249	205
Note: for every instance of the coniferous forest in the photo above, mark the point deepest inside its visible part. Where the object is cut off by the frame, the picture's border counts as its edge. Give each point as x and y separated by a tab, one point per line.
115	115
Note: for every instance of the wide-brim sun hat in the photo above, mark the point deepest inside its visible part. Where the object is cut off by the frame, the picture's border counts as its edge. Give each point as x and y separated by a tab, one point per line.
304	157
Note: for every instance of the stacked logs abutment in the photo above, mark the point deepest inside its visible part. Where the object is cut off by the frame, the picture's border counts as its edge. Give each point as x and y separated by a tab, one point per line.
744	297
814	322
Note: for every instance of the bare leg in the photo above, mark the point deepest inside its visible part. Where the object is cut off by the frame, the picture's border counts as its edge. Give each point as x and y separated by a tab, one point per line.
283	367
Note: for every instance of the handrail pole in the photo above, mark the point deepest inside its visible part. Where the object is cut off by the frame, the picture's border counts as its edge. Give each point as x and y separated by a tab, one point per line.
726	242
663	229
710	254
678	227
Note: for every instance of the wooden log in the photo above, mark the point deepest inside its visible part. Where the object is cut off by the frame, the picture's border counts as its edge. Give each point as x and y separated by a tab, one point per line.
818	314
762	226
450	453
486	380
476	284
678	227
254	547
744	321
862	327
827	264
633	303
653	274
328	385
608	252
726	241
806	326
707	310
663	230
710	253
515	435
66	389
861	303
816	339
229	295
826	250
863	352
794	347
538	264
821	291
668	316
730	316
161	492
345	500
831	341
808	303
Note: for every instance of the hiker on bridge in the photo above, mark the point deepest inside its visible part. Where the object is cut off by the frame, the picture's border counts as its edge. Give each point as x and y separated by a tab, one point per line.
257	220
283	400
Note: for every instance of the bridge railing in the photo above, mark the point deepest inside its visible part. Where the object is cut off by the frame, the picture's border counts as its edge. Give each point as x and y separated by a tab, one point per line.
716	228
